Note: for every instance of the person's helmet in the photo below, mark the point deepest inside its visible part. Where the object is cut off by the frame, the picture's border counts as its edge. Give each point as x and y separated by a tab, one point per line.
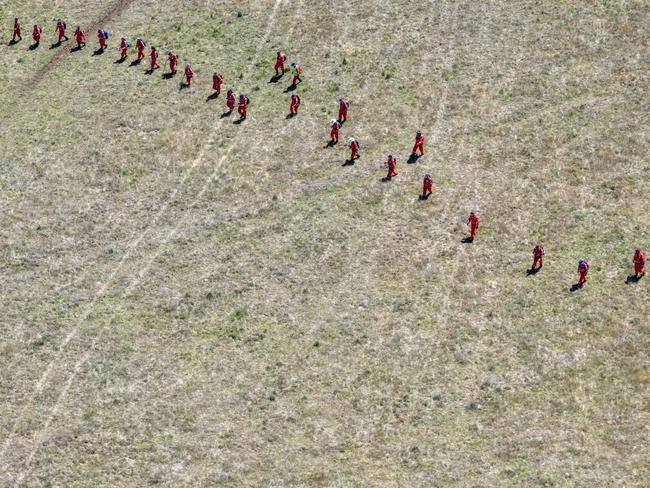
351	139
332	121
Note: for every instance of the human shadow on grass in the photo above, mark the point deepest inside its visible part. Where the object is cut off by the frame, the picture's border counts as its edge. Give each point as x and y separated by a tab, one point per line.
290	116
239	121
213	96
329	144
467	240
76	49
633	279
34	46
99	52
348	162
55	45
533	271
290	88
276	78
424	197
182	85
13	42
413	158
576	287
135	62
119	61
226	114
169	75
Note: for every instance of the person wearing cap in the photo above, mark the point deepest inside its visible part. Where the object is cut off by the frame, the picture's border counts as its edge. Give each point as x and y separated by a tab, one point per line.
280	59
335	126
296	71
473	222
17	31
427	186
217	81
391	164
80	37
230	100
189	74
583	269
173	62
419	144
354	148
639	263
538	257
124	49
140	45
60	30
344	105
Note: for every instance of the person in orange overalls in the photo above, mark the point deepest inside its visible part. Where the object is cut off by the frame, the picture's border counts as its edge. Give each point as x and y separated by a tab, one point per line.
103	38
419	144
60	30
140	45
295	104
189	75
392	165
280	59
583	269
296	71
354	148
124	49
639	263
36	34
230	100
335	126
154	54
17	31
474	222
538	257
80	37
427	186
242	108
173	62
343	109
217	81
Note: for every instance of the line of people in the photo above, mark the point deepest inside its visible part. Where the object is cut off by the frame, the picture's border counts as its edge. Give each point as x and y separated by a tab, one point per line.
473	221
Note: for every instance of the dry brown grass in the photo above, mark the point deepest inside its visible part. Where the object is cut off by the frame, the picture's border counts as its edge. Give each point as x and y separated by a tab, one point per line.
191	302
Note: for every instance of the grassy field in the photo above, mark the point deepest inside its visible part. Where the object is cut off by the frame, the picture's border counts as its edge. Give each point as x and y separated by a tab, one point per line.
192	302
